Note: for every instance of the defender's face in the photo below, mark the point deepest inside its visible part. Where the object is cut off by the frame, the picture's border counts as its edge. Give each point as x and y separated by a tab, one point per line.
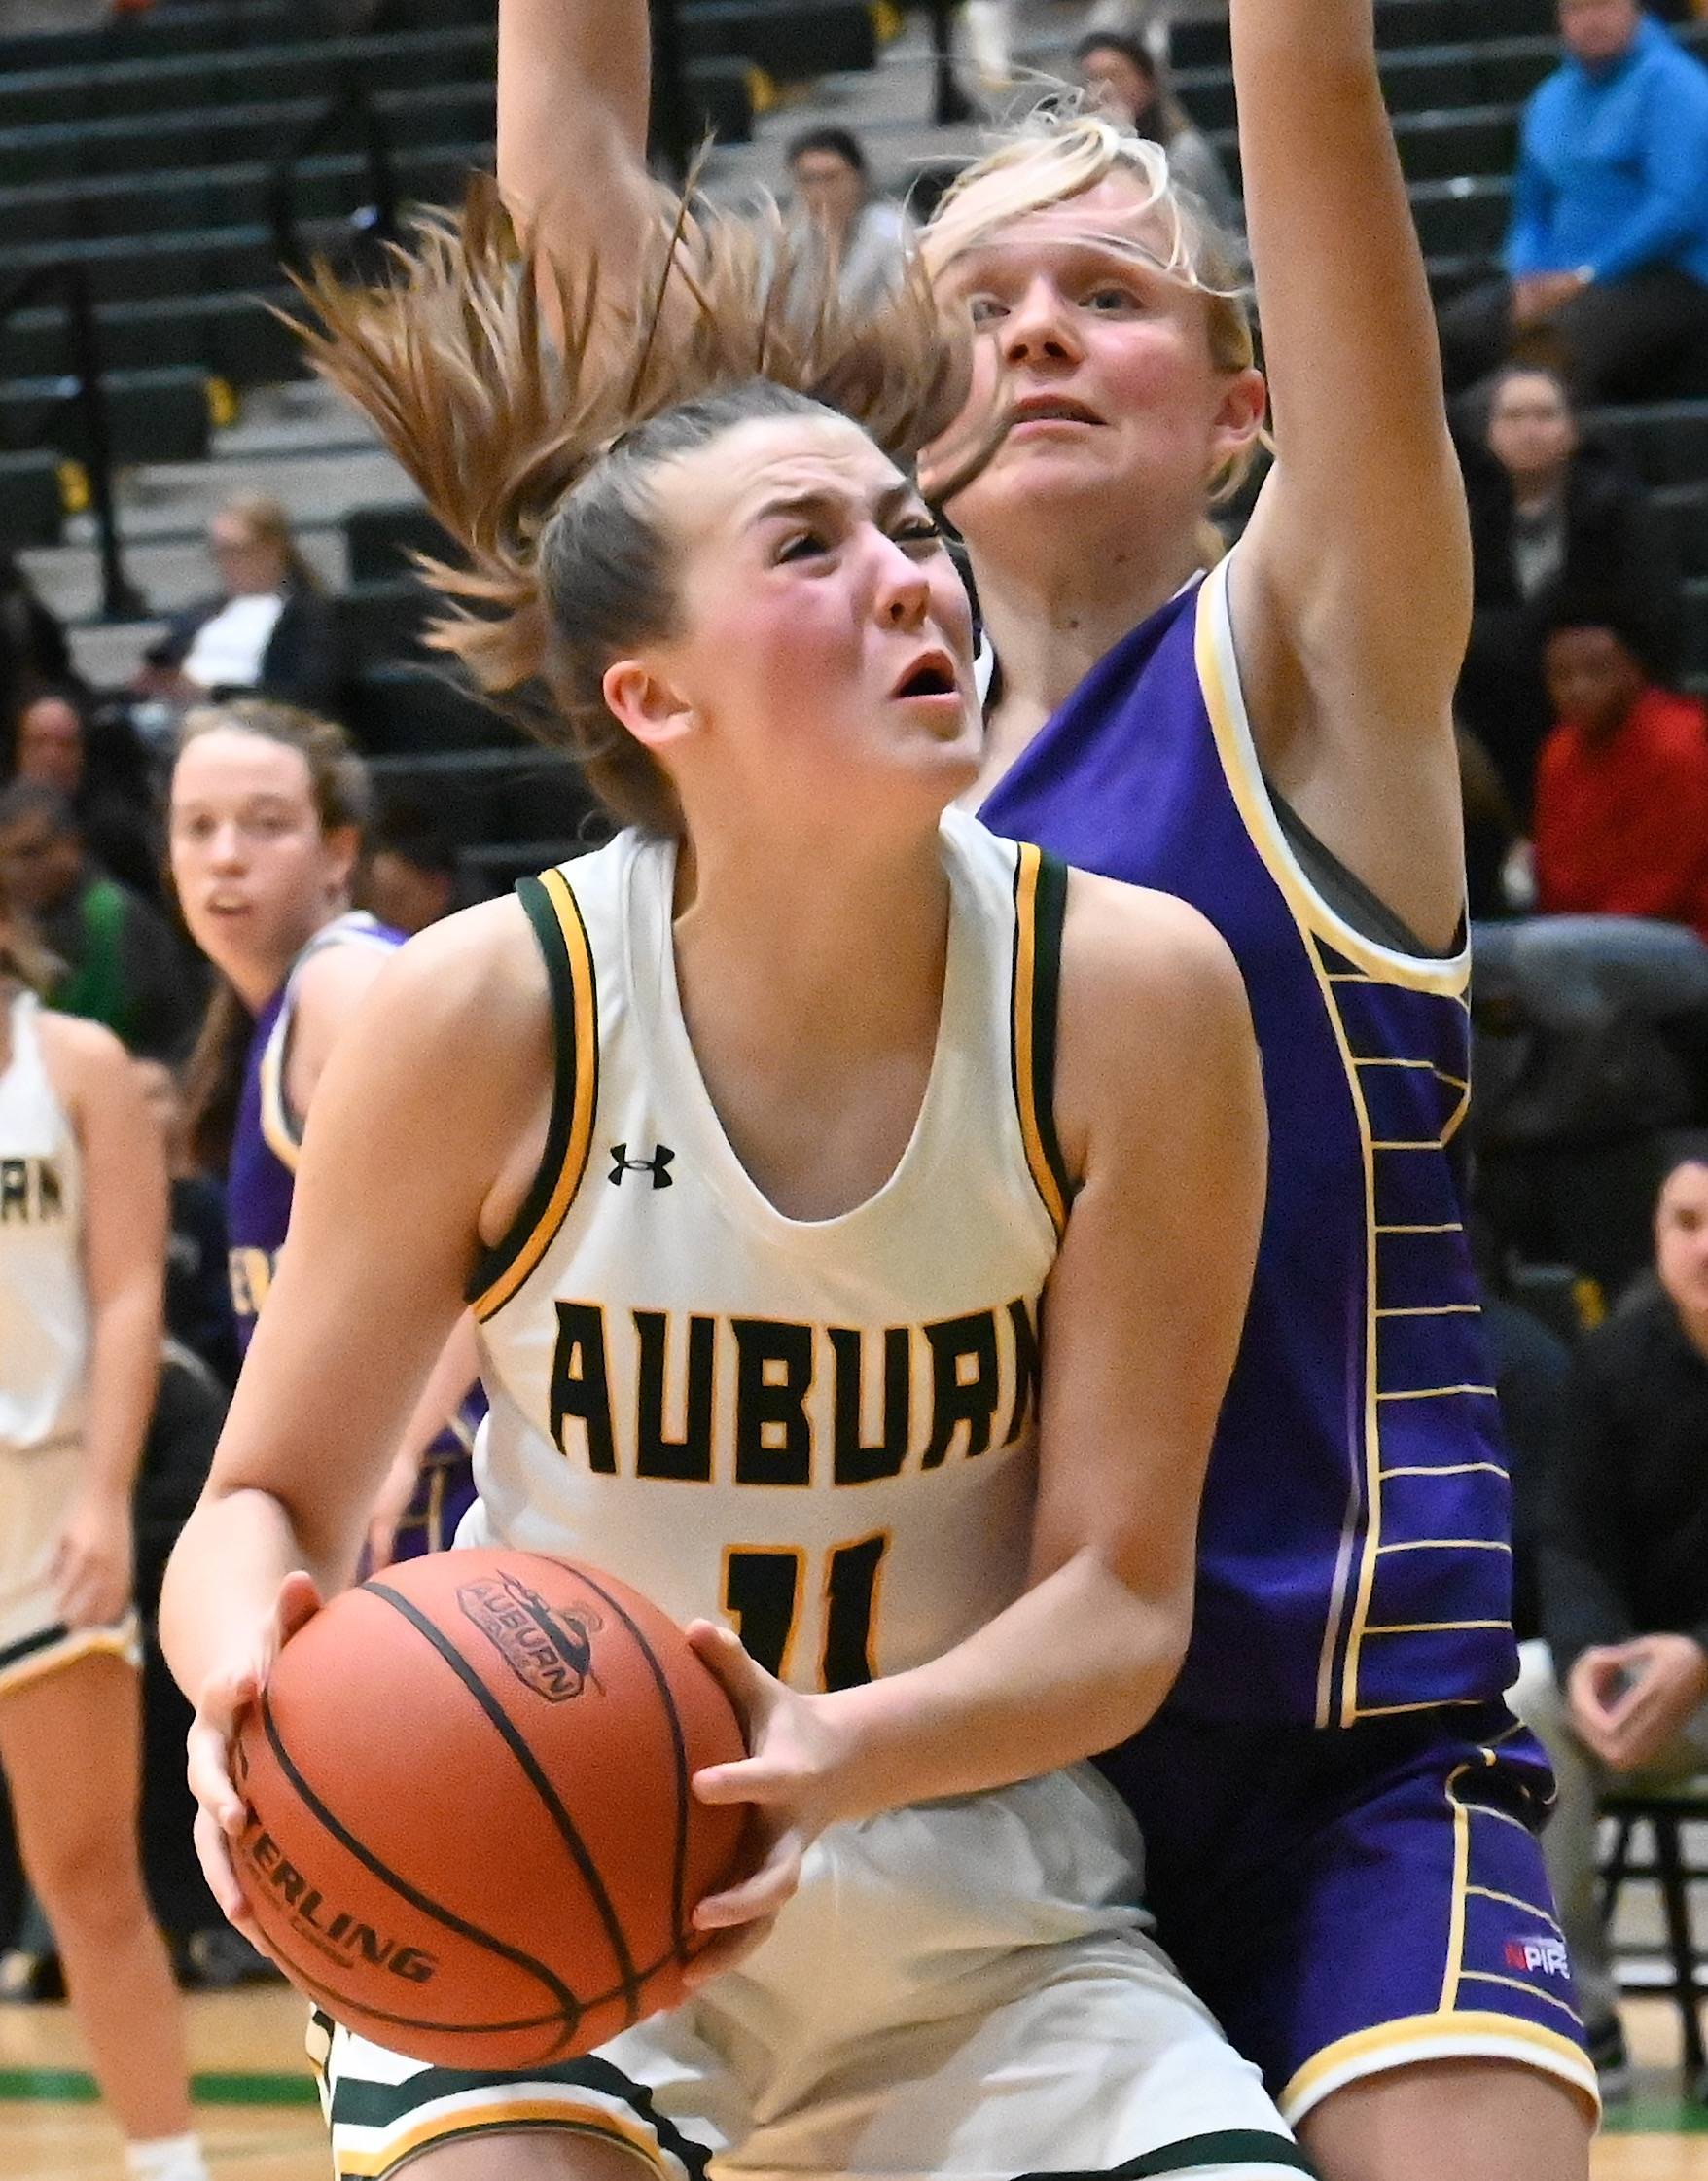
255	875
1104	356
825	657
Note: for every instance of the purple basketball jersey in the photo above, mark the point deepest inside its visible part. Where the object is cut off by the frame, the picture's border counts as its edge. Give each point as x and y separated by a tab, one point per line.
1355	1559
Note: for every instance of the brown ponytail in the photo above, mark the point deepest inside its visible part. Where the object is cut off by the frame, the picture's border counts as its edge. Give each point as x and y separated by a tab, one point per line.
535	453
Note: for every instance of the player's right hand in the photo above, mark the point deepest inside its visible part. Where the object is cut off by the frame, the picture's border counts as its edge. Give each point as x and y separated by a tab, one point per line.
225	1696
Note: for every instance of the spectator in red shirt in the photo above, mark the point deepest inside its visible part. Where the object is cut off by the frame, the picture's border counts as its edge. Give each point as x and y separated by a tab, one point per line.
1622	788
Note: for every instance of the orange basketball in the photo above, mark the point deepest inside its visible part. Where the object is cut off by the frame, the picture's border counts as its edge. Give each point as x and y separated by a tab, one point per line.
470	1829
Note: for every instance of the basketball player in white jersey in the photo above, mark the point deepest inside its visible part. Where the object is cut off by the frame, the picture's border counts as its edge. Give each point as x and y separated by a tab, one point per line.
83	1238
808	1157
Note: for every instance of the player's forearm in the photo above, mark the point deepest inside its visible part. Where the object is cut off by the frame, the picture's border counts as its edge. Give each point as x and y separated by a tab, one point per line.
573	77
224	1576
124	1375
1076	1665
456	1371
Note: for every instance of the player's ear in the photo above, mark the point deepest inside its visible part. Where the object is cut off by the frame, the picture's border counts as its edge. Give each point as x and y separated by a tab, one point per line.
343	848
646	704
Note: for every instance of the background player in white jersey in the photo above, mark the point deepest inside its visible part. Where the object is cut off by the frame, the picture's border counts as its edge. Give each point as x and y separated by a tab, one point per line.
83	1238
771	1081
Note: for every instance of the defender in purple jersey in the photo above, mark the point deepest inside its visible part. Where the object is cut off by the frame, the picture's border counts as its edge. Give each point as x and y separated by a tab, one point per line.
1341	1812
267	806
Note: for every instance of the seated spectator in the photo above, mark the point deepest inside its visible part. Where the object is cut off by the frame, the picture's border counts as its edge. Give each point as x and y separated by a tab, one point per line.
31	636
408	880
1608	251
1621	787
1554	515
1125	81
51	742
119	962
865	236
1618	1684
269	630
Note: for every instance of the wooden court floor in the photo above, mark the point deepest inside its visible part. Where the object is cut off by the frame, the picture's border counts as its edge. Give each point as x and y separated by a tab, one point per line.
246	2051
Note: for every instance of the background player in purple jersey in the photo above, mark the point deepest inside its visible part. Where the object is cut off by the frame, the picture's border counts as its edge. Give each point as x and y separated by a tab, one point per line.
1340	1811
266	814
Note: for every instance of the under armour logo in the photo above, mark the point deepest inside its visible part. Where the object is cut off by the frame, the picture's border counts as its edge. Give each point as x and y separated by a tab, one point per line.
657	1166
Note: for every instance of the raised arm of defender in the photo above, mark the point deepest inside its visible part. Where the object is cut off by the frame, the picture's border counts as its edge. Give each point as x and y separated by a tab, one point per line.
573	83
1352	589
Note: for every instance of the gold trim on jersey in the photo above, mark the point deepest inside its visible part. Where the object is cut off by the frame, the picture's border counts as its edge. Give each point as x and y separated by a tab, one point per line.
575	1097
123	1640
1459	2033
1219	678
520	2115
276	1131
1037	969
1319	926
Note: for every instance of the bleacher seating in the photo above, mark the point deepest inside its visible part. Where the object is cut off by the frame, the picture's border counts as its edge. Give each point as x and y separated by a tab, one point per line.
148	150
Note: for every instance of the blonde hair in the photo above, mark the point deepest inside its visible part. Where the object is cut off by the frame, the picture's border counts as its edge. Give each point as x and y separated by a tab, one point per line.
538	454
1058	154
268	523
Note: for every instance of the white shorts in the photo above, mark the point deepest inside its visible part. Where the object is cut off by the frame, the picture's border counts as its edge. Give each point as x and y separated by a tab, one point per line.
37	1489
962	1988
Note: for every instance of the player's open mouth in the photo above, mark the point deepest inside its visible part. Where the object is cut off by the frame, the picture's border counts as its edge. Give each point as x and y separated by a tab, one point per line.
1050	408
933	675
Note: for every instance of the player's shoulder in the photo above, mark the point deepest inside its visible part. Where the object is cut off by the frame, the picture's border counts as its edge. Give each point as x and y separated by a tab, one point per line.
481	965
1131	945
76	1052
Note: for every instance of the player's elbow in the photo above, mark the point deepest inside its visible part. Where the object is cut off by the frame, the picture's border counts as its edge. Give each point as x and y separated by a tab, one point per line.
1146	1629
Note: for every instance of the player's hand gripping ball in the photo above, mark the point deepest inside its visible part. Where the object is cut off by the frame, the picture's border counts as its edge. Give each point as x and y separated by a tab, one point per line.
469	1825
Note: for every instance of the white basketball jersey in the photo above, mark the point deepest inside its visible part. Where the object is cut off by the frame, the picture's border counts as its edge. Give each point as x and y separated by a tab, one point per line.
823	1432
44	1301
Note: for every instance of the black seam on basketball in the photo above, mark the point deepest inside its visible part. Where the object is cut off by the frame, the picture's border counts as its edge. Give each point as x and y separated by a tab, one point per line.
570	2006
542	1786
680	1934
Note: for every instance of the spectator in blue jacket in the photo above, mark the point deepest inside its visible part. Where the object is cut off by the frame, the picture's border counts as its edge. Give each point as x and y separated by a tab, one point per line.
1607	261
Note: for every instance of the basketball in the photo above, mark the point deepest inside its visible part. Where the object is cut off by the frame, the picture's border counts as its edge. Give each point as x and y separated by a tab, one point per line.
470	1834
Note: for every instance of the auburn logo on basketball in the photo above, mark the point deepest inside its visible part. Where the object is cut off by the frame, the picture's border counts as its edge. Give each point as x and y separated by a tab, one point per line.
549	1649
337	1932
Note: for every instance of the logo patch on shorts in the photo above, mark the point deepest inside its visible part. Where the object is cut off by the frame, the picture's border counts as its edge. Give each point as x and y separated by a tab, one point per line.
1537	1956
549	1649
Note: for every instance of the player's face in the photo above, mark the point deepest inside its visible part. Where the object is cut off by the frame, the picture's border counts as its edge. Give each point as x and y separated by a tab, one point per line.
256	874
824	660
1681	1239
1104	357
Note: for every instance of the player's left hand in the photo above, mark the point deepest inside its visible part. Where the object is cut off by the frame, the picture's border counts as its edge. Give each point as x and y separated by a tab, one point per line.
789	1780
91	1570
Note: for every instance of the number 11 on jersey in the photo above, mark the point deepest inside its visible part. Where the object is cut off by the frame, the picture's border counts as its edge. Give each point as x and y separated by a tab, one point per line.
764	1587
